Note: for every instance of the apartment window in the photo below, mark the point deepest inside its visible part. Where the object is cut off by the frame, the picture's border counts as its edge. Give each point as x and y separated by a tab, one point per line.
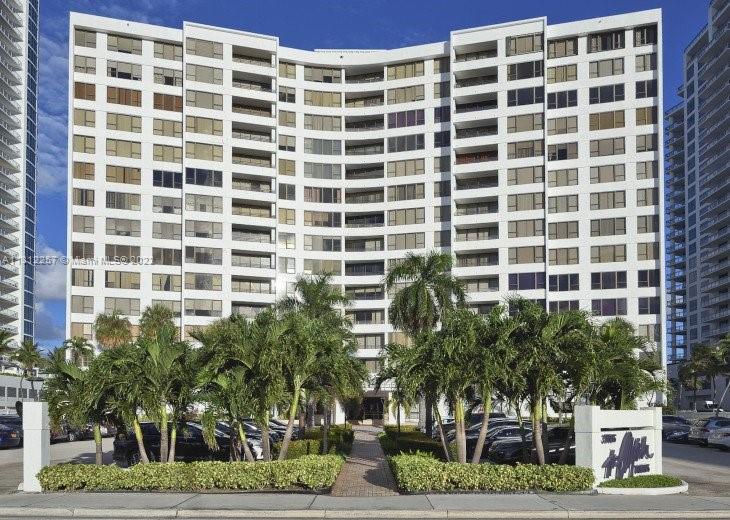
647	224
204	74
405	217
85	91
609	307
524	123
123	174
203	125
609	253
526	281
119	148
647	197
608	200
85	64
602	68
525	202
322	99
123	306
200	307
203	177
441	89
333	267
563	204
121	253
645	62
288	240
650	305
406	168
82	304
322	171
167	128
611	146
564	99
203	203
557	178
647	170
442	214
646	35
124	96
646	89
524	70
123	227
649	278
442	114
121	280
564	282
323	146
562	73
204	255
405	192
606	120
562	48
606	41
523	149
563	230
442	189
203	281
319	195
563	125
82	250
288	118
124	123
606	94
167	102
646	143
122	70
203	151
406	94
406	241
562	151
608	280
83	224
326	123
83	197
83	170
168	51
170	205
287	143
405	143
126	201
608	173
322	219
287	216
84	117
287	70
646	116
204	48
194	98
523	44
563	256
441	65
406	118
84	38
604	227
526	228
166	256
526	255
525	175
405	70
84	144
525	96
165	179
202	229
289	94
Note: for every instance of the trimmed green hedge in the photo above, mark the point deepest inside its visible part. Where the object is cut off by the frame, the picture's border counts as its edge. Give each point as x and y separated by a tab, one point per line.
419	474
340	443
643	481
308	472
410	441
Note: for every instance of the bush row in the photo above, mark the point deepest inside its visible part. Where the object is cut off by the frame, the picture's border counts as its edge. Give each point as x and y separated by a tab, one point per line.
643	481
340	443
420	474
308	472
409	441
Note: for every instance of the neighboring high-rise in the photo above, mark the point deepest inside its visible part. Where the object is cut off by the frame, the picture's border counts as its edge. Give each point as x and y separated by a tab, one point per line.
698	192
18	132
224	165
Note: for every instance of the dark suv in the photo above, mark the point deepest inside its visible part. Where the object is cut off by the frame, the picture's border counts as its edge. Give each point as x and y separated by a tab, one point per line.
510	450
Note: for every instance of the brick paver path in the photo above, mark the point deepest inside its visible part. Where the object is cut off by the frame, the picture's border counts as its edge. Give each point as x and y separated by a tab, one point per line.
366	472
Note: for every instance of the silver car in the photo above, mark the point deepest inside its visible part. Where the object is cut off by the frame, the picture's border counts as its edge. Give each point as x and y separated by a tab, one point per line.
701	429
719	438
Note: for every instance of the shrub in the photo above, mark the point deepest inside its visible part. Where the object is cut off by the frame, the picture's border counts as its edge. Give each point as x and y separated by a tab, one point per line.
306	472
340	443
418	474
410	441
643	481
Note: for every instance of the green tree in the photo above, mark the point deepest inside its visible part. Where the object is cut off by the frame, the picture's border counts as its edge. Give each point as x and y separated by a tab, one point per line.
6	342
153	319
112	330
708	361
80	348
689	377
29	359
724	353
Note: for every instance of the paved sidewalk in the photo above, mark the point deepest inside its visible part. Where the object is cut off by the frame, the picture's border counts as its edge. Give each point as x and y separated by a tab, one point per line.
279	505
366	473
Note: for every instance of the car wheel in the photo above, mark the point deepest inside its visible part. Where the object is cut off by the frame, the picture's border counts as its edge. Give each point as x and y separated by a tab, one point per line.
71	437
133	459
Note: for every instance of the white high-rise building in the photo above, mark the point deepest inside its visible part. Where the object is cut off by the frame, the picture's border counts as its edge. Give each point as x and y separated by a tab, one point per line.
18	132
227	165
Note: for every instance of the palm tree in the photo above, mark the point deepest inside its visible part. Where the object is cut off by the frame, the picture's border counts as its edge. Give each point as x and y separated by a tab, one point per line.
154	318
708	360
6	341
723	347
689	378
80	348
424	289
112	330
29	358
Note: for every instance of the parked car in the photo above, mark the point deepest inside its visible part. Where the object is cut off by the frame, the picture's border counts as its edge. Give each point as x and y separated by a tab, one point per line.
701	429
475	427
719	438
64	432
509	451
474	419
708	406
253	438
296	432
674	432
675	419
495	434
10	436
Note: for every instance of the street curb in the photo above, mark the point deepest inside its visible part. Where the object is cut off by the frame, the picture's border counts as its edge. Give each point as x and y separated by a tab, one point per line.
656	491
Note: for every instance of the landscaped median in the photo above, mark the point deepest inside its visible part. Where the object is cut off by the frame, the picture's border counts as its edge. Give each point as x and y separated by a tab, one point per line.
309	472
341	438
643	485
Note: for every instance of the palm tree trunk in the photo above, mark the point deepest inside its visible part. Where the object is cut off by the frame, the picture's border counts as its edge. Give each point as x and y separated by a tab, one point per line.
486	405
265	440
326	429
290	424
523	434
568	438
140	441
440	425
429	416
460	433
536	416
173	443
246	450
164	438
99	455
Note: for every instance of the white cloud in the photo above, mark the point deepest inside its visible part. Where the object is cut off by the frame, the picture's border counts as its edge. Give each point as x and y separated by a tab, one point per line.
50	280
46	329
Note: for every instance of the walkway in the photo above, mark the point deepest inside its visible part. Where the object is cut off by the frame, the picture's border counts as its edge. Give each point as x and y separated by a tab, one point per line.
366	472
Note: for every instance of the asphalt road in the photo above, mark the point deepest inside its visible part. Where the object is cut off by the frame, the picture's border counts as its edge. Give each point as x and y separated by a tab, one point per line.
706	470
11	459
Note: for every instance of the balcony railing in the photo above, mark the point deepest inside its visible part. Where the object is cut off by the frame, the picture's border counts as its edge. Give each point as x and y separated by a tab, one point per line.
476	55
470	158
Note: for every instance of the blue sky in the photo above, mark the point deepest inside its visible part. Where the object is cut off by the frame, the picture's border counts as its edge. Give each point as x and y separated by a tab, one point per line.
374	24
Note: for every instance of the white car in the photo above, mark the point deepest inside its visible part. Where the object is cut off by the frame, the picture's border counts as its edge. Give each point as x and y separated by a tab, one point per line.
719	438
